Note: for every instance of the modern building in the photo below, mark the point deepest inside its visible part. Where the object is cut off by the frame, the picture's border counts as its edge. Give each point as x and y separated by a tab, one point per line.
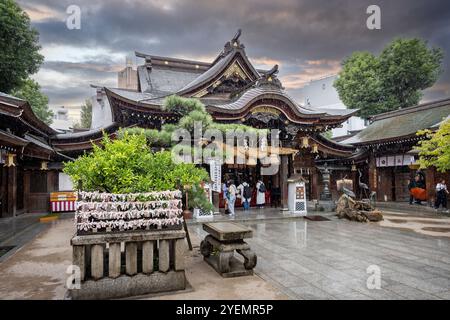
65	118
127	78
321	94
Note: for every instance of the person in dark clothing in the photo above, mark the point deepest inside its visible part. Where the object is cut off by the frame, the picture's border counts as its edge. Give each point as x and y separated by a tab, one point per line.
418	182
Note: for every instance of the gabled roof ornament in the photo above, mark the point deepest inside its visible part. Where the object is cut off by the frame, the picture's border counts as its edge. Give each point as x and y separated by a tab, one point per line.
236	36
148	62
270	78
234	43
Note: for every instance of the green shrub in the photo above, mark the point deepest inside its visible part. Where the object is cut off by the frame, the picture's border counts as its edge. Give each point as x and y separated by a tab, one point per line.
182	106
127	165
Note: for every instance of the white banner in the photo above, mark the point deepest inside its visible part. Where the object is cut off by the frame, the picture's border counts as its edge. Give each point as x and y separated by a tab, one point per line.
395	160
215	171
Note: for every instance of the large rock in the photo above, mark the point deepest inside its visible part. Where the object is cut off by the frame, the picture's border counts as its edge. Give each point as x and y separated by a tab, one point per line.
354	210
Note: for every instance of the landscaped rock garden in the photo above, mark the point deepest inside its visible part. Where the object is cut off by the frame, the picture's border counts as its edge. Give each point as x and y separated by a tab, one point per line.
355	210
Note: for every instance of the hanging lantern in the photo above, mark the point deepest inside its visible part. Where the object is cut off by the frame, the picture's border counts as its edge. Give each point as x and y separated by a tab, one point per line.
44	165
10	160
353	167
315	148
305	142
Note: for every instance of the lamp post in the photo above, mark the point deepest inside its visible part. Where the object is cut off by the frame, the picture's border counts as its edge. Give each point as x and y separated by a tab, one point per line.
326	194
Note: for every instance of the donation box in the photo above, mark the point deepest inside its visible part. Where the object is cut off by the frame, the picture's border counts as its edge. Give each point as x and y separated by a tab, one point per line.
297	196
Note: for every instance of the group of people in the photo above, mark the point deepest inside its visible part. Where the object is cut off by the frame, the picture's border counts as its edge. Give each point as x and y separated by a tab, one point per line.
417	188
243	191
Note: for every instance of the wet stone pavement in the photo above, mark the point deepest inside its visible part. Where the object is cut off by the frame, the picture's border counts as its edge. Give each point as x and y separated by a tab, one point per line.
329	259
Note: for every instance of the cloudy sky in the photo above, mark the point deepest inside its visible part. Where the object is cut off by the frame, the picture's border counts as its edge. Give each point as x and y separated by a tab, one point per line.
307	38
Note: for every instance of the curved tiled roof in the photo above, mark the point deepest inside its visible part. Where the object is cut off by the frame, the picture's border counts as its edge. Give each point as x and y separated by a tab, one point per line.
255	93
402	123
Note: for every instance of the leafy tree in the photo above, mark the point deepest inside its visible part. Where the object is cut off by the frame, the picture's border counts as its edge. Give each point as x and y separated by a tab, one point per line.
30	91
434	150
390	81
19	48
86	114
358	84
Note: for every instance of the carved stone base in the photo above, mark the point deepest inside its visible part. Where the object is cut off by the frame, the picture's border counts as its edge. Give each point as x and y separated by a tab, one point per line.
235	267
223	261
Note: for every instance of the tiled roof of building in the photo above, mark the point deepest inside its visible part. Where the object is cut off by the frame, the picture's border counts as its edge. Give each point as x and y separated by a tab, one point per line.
255	92
402	123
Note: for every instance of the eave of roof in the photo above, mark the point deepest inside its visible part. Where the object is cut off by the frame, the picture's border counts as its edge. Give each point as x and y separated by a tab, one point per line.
402	124
27	115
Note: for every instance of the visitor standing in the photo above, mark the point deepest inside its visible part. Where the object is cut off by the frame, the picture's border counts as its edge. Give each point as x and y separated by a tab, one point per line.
260	194
232	191
245	194
225	196
441	195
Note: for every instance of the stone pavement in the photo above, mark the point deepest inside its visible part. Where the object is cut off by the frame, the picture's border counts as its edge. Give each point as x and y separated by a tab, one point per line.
38	271
329	259
297	259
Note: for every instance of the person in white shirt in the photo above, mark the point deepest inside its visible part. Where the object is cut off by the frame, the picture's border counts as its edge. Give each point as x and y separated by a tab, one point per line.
441	195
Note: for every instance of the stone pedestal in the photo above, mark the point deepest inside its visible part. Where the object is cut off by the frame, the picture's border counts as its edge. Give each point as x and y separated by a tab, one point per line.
226	238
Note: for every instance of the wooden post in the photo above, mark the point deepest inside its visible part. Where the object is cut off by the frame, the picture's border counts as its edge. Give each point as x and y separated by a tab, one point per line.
430	184
373	175
147	256
12	191
131	258
114	260
283	182
97	261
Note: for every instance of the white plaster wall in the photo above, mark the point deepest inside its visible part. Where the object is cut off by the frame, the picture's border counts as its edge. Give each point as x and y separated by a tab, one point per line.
321	94
101	111
65	184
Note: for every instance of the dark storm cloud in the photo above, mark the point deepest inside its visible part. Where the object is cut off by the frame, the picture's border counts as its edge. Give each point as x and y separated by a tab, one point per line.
290	32
68	95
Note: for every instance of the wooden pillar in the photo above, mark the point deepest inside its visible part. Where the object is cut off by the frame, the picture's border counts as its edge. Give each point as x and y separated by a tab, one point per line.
283	182
430	183
373	175
354	177
12	191
315	185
